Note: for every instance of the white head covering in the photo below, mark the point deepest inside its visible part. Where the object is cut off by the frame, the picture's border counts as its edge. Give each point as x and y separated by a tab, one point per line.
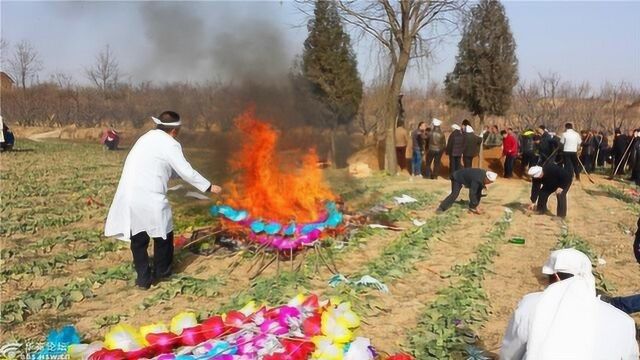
469	129
436	122
159	122
491	176
455	127
535	171
564	323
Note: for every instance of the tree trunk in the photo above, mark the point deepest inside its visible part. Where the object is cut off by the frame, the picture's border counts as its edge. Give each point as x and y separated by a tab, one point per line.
481	155
391	163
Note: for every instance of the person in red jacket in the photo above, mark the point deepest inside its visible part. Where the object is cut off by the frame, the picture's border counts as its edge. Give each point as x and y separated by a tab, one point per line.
509	151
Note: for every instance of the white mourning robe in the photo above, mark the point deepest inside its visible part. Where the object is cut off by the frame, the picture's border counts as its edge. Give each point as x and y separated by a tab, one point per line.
614	333
140	203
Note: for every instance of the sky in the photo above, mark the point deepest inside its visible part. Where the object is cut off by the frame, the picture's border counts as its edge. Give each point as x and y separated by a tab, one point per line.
591	42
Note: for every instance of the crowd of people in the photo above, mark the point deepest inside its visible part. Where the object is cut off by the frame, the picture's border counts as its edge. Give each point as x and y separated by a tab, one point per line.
420	150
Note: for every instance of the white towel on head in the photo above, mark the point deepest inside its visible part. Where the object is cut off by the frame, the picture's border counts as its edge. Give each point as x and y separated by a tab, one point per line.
564	322
436	122
469	129
491	176
535	171
455	127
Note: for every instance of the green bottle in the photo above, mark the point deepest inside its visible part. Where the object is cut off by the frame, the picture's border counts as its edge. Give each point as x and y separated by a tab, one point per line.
517	240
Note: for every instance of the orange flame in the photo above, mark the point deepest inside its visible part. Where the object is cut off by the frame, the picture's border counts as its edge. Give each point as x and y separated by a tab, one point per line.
264	188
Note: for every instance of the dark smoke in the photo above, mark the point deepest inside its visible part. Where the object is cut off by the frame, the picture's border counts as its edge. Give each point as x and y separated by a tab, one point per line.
230	47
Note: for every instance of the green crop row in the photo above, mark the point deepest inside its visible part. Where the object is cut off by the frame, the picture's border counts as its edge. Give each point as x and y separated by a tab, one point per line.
29	303
447	327
44	266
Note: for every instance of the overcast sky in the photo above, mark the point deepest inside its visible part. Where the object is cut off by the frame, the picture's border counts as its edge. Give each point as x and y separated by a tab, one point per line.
199	41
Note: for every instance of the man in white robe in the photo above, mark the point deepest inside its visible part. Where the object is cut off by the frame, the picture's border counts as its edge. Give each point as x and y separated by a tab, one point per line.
140	209
567	321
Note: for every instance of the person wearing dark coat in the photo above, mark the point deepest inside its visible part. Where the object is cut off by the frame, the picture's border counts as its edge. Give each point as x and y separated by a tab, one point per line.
528	149
436	144
545	144
475	180
588	147
602	150
545	181
472	144
620	144
455	148
635	159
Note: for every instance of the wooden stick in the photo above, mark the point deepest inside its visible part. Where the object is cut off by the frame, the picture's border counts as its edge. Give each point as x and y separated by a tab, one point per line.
621	160
263	268
586	172
202	238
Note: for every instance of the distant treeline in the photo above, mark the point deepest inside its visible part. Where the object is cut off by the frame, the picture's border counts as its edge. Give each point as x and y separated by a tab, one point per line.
214	106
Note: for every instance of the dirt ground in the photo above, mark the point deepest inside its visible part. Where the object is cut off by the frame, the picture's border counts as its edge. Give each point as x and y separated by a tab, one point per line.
606	223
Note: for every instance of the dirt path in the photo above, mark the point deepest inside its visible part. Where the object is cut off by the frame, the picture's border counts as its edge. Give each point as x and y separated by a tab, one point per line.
409	295
516	270
608	225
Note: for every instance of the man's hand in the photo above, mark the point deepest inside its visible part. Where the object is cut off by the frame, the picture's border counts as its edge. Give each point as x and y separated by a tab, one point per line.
532	206
215	189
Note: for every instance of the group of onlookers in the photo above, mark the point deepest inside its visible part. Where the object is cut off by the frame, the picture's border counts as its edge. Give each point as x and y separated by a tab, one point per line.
420	150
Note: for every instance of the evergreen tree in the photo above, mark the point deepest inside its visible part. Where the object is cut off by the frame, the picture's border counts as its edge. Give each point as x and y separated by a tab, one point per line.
329	65
487	68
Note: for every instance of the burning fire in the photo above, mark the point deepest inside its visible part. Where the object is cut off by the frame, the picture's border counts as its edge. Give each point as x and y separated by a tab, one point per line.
264	187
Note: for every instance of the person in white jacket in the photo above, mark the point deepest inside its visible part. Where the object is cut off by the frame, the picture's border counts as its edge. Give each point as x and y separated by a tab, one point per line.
140	209
571	141
567	321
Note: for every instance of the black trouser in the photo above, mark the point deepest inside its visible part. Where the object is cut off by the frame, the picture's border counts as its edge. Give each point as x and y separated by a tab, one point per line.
528	160
435	157
454	164
587	161
601	156
449	200
562	202
571	163
467	161
162	257
509	161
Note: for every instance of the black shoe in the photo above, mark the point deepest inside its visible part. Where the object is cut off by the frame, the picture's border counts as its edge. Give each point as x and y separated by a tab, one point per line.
144	285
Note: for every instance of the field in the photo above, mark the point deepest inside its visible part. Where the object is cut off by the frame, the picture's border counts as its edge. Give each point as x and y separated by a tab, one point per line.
453	282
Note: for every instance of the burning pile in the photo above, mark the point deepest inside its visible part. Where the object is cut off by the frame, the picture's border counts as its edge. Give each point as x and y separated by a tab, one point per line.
273	207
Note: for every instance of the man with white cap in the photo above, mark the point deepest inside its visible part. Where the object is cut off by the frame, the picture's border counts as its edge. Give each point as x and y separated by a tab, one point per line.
545	180
472	144
455	148
436	144
475	180
140	209
567	321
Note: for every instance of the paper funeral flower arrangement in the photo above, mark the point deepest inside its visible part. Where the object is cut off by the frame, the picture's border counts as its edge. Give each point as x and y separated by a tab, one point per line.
281	206
305	328
290	236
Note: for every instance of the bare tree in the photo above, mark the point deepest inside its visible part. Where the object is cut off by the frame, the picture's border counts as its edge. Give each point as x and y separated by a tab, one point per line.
4	47
105	72
62	80
405	30
619	95
25	63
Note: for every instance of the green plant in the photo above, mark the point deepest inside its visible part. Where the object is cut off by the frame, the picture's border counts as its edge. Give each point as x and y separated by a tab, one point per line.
447	327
